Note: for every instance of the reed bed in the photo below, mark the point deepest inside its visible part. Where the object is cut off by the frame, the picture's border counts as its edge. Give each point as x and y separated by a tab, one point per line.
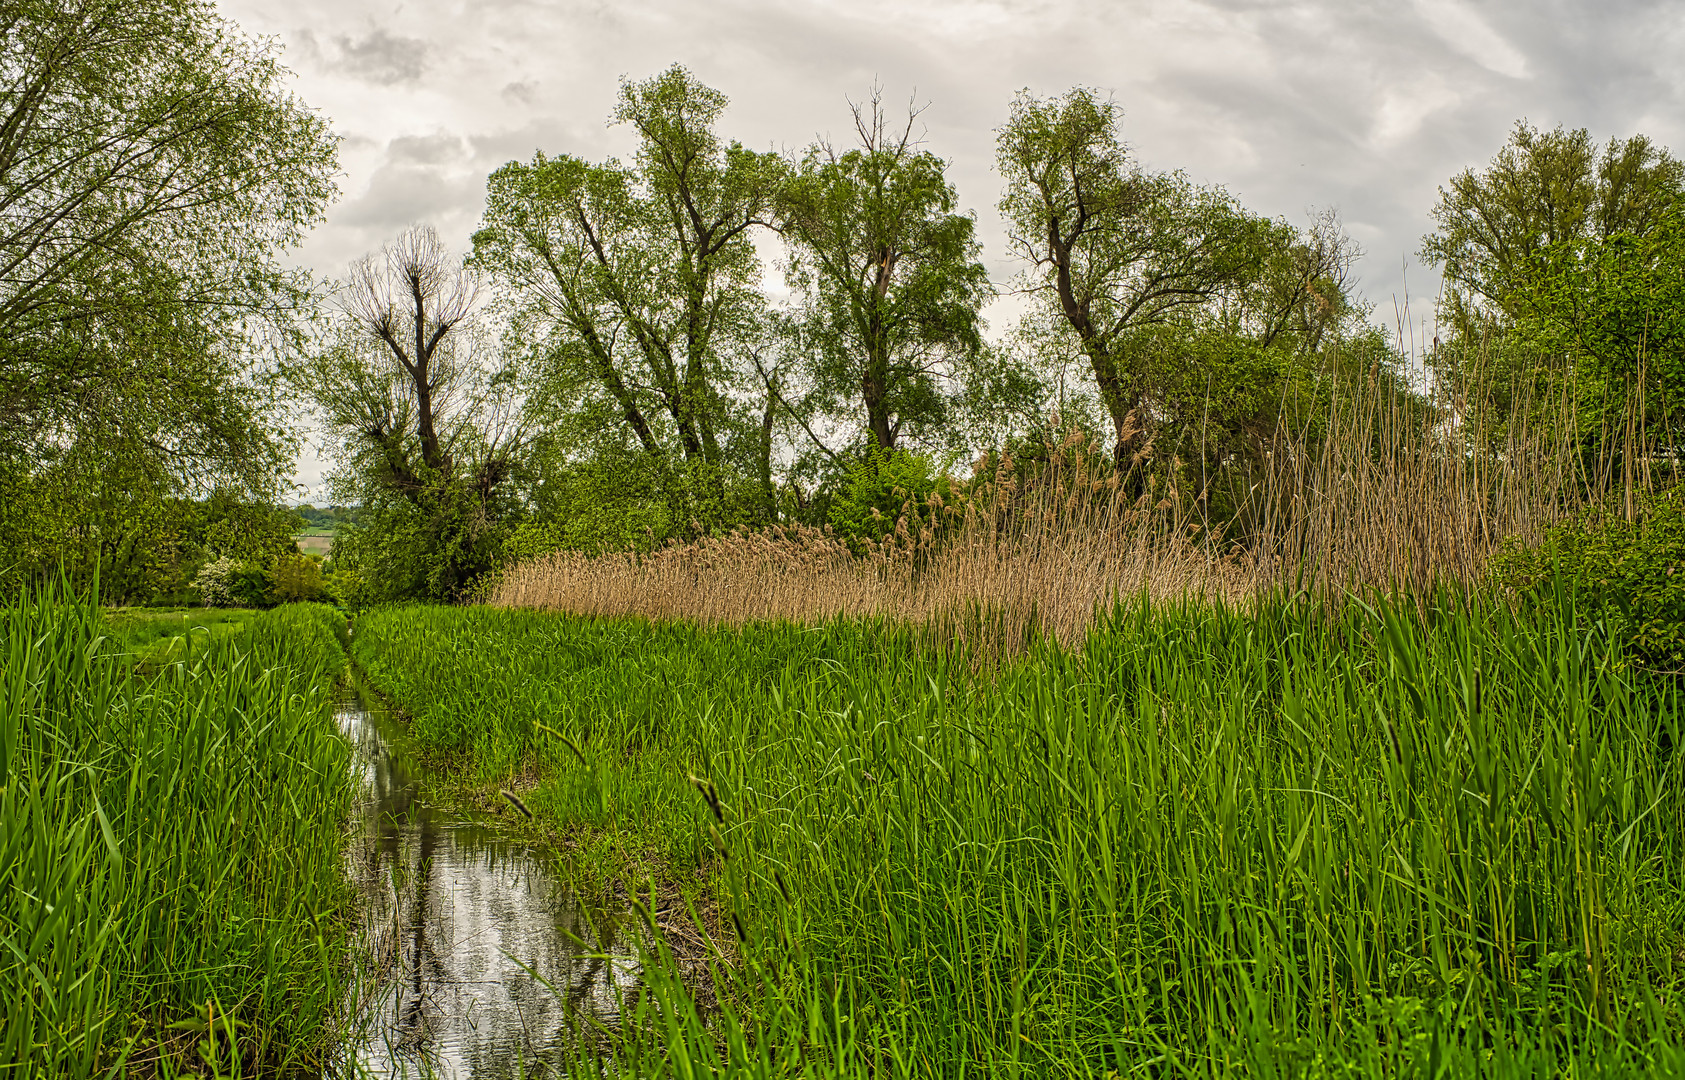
1382	497
171	865
1401	837
1009	583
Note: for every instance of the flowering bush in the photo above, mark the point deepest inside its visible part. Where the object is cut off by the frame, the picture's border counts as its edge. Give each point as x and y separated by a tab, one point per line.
215	581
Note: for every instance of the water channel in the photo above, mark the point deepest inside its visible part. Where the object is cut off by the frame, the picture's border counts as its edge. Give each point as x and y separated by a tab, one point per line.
481	963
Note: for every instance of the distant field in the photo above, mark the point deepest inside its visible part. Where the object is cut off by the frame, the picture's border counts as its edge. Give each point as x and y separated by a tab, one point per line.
315	541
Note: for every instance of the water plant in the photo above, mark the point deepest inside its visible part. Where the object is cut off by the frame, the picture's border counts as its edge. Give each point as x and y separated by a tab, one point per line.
1422	836
170	846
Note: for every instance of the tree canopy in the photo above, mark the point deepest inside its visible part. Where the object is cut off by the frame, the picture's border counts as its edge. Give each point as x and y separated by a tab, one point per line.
152	169
1565	267
889	277
613	366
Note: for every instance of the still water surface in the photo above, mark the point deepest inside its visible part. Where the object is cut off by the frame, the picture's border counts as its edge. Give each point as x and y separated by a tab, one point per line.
481	961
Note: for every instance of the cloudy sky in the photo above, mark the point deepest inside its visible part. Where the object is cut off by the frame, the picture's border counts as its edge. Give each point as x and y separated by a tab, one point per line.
1363	106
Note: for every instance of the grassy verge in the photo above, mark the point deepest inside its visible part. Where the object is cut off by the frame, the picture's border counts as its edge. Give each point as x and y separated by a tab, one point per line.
1205	843
171	871
154	638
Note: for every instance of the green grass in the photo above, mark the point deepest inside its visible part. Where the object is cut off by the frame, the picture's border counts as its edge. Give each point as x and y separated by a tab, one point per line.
155	637
1209	843
171	869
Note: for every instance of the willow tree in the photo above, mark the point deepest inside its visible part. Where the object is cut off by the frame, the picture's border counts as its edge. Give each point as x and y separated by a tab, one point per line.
1563	263
637	284
889	281
152	168
416	404
1112	246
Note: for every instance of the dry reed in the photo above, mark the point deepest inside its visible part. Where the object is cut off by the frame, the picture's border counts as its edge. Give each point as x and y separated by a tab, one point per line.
1384	499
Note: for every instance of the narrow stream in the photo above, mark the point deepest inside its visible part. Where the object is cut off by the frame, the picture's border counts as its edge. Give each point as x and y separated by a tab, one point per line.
474	971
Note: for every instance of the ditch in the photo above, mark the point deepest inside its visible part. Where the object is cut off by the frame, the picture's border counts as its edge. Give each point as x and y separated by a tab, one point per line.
480	962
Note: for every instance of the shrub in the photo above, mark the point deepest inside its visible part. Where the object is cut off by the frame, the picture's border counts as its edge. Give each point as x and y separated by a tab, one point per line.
883	487
215	581
296	577
1632	572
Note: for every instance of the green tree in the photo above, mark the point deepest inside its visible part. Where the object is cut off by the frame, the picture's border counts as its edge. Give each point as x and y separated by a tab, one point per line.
296	578
637	285
1543	189
1563	263
881	491
151	168
1113	247
889	277
427	425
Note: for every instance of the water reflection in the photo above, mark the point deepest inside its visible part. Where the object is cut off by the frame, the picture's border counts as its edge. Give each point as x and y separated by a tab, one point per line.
482	962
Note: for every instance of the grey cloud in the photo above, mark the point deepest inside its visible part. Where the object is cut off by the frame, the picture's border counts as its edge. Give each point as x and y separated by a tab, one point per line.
378	56
524	91
422	178
426	149
397	197
548	134
383	57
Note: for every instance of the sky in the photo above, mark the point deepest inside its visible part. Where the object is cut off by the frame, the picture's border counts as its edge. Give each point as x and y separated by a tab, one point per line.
1364	107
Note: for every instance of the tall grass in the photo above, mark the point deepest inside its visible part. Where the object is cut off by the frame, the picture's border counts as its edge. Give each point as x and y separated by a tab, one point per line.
154	638
1396	838
171	862
1384	494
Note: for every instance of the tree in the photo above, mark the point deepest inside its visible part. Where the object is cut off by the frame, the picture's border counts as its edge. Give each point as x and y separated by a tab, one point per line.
637	284
890	277
1113	247
427	426
1564	267
296	578
151	166
1543	189
405	304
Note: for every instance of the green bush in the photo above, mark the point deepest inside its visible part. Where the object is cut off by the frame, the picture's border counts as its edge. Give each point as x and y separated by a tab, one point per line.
296	577
1631	572
884	487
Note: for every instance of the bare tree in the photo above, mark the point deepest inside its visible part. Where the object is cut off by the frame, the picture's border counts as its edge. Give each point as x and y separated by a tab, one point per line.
412	296
427	420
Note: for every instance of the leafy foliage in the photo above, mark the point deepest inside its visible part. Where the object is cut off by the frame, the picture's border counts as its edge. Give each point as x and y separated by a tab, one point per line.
886	490
1632	572
1564	264
151	168
1123	259
636	284
890	282
297	578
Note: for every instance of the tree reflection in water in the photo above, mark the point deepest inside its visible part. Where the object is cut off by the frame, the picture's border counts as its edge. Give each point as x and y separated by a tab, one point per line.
473	941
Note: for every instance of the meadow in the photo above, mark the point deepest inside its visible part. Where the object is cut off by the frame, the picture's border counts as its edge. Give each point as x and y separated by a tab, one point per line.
1429	835
155	637
171	873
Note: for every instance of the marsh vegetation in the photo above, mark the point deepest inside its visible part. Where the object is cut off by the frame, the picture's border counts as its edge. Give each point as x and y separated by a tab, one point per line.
803	677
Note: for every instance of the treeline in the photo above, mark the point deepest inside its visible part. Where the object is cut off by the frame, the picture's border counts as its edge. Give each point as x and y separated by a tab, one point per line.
325	517
705	337
610	369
